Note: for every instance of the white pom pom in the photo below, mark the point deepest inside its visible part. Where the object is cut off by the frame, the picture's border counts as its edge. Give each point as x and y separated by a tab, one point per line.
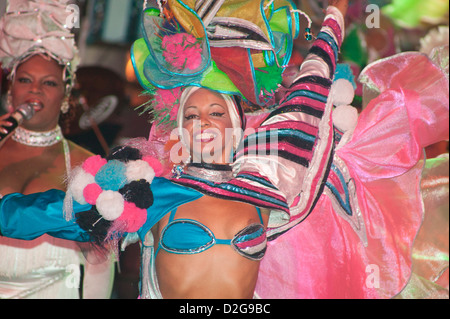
110	205
78	181
139	169
345	117
342	92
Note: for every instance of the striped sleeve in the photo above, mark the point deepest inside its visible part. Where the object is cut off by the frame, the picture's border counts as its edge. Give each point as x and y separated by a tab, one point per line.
292	149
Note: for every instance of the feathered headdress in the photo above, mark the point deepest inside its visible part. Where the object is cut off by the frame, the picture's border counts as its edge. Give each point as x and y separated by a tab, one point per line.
232	47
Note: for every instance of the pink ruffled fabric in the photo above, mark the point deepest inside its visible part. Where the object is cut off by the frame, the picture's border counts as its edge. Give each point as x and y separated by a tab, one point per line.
430	278
323	257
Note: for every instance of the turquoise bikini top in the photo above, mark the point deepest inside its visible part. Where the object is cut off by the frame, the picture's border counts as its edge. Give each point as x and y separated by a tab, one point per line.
187	236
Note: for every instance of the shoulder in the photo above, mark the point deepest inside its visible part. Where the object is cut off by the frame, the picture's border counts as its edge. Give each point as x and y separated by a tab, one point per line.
78	154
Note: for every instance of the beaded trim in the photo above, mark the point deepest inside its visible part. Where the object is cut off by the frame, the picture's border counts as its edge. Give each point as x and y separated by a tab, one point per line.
38	139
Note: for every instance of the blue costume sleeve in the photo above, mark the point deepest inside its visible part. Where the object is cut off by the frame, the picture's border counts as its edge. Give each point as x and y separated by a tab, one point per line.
30	216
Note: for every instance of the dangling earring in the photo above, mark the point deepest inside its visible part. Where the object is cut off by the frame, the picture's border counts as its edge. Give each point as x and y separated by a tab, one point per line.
9	104
308	34
178	169
65	105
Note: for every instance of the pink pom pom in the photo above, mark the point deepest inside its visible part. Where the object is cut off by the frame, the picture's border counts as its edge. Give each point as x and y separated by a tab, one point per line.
167	97
182	51
133	216
93	164
155	164
91	193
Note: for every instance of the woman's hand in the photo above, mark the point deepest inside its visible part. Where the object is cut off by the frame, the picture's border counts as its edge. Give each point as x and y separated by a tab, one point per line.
342	5
4	123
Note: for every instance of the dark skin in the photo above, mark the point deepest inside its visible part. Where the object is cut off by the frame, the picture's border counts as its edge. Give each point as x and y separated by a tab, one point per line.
219	272
342	5
28	169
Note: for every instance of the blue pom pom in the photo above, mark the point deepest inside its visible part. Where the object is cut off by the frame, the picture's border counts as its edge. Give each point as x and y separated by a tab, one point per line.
343	71
112	175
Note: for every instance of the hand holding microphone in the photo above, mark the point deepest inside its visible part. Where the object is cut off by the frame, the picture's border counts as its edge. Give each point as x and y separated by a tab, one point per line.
23	112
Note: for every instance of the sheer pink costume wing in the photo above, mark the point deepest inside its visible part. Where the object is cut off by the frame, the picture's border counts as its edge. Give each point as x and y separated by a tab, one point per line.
364	251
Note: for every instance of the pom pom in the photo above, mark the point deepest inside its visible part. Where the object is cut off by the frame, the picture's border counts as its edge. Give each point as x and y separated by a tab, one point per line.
94	224
345	117
124	154
139	193
91	193
268	78
111	176
155	164
139	170
164	107
79	180
93	164
182	50
344	71
342	92
110	205
134	217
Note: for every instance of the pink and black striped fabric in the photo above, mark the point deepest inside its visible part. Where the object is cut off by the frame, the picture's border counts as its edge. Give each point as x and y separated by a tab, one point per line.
298	145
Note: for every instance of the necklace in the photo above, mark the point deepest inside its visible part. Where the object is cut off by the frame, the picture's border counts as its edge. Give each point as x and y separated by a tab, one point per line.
43	139
38	139
217	173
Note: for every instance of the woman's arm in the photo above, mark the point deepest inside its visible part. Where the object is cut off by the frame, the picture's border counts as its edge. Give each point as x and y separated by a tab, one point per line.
30	216
341	5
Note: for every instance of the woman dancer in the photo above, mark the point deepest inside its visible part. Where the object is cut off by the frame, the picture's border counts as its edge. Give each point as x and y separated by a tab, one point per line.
290	183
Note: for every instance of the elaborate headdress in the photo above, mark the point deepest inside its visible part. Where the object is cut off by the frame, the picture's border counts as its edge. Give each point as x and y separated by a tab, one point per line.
232	47
32	27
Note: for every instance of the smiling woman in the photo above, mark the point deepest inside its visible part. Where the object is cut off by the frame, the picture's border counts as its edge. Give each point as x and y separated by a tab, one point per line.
205	118
263	225
204	235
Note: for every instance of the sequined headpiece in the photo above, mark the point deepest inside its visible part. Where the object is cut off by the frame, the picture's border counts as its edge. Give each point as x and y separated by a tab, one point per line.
32	27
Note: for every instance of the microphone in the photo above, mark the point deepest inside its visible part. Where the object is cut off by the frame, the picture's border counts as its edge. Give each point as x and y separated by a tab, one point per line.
23	112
